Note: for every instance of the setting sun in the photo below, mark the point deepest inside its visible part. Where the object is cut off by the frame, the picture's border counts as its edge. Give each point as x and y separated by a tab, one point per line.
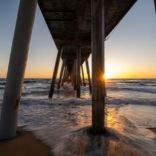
112	70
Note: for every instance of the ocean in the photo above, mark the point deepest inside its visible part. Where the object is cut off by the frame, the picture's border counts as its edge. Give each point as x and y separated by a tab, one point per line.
62	122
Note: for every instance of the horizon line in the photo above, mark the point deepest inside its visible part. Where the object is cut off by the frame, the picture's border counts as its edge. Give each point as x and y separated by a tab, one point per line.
86	78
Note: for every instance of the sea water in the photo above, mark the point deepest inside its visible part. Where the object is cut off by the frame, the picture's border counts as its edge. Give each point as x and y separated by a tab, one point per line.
63	122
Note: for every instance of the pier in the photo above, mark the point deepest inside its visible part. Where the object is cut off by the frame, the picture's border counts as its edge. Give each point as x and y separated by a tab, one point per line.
79	29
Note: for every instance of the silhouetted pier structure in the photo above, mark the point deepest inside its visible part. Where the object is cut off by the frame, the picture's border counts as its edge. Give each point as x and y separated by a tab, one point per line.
73	59
79	28
69	23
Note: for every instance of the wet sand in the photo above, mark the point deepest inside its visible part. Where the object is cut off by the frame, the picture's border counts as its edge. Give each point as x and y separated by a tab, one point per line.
82	143
25	144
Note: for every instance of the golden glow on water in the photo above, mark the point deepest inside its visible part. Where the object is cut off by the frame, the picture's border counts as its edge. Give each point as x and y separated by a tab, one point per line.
113	120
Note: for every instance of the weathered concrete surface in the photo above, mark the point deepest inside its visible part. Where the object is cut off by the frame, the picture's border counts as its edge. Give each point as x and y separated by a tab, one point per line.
16	69
69	21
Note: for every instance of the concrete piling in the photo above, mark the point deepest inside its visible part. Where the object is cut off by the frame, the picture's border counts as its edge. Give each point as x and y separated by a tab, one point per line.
51	92
16	69
97	48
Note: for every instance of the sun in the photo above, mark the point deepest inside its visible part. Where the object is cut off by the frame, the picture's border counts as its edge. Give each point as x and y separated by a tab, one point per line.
110	74
113	70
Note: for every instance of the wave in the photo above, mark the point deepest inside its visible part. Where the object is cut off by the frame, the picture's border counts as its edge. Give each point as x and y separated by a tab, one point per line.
136	88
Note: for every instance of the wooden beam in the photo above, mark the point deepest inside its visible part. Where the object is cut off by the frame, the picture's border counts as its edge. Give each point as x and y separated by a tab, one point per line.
51	92
97	46
16	69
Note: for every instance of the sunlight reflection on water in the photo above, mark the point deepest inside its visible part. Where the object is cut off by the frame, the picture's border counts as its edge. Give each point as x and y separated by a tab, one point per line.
73	138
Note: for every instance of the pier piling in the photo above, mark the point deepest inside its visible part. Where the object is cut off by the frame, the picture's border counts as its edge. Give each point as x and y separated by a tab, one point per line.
83	78
89	79
97	48
61	74
16	69
51	92
78	79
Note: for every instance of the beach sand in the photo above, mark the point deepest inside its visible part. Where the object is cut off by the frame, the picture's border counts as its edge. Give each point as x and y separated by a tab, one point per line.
25	144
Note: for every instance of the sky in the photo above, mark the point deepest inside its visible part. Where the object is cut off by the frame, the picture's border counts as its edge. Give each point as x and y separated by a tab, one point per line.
130	50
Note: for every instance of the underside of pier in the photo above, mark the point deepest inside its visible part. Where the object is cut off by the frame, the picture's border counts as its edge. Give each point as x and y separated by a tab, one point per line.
69	21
